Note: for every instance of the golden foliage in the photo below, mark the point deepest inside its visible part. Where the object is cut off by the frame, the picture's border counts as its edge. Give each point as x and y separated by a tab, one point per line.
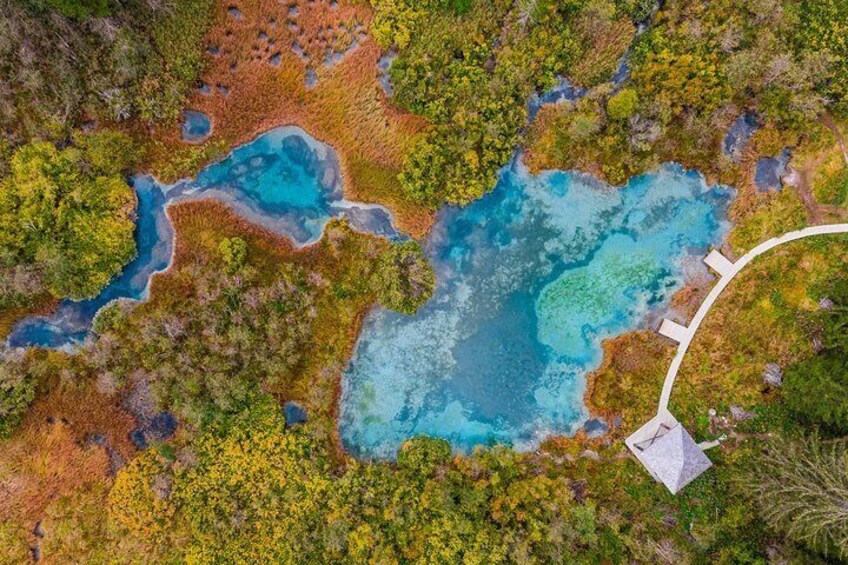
134	505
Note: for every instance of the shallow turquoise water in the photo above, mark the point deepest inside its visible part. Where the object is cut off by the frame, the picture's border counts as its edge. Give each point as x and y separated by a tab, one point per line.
283	180
531	279
288	183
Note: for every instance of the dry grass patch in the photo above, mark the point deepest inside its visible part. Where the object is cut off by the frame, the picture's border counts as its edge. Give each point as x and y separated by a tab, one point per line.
257	71
60	448
607	41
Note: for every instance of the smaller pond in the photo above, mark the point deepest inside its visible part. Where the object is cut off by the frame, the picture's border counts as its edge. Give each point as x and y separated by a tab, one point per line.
739	134
563	91
294	413
284	180
196	126
159	428
771	170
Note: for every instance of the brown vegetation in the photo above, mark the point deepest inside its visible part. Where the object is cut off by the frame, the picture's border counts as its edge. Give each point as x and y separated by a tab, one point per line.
346	108
72	438
540	152
627	385
341	255
607	39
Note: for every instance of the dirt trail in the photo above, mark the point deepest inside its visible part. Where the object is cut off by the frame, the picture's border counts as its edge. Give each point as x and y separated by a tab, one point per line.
816	213
802	185
830	124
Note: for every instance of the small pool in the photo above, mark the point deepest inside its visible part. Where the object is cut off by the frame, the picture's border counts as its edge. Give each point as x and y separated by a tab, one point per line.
196	126
771	170
294	413
739	135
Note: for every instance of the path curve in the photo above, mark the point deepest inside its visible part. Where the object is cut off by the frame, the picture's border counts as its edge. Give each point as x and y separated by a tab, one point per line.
685	335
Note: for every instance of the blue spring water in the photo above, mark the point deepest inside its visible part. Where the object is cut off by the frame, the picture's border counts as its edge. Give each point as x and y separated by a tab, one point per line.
739	134
531	279
294	413
284	180
196	126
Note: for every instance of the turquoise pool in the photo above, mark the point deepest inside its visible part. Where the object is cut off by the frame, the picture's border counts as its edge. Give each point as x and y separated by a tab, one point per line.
531	279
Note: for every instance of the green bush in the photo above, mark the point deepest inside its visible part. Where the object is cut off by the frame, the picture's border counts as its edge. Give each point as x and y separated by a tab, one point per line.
257	493
77	9
17	391
822	28
69	212
404	278
423	455
832	321
178	40
816	390
233	252
623	104
688	70
110	318
109	152
834	189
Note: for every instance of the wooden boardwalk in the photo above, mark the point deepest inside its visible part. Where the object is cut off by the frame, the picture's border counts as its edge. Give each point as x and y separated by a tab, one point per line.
673	460
727	271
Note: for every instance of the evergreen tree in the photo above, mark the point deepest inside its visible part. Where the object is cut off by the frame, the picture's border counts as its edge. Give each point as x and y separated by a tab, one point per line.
801	486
